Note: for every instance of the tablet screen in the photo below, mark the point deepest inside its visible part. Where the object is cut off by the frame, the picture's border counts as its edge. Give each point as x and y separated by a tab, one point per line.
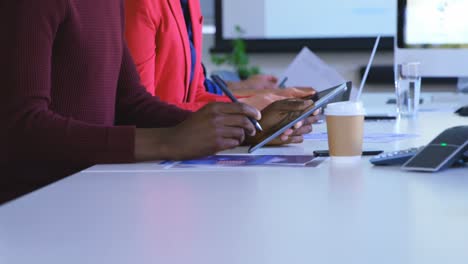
335	92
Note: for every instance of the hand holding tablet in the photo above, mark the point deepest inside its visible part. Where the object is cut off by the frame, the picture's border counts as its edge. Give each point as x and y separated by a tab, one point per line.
279	113
282	115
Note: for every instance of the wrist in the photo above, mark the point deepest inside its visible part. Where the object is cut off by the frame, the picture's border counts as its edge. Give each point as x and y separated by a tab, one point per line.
152	144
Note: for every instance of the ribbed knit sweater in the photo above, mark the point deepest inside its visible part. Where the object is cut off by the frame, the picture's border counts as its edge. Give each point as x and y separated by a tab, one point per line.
70	96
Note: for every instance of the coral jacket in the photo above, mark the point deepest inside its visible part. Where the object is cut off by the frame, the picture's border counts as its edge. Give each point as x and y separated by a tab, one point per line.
157	36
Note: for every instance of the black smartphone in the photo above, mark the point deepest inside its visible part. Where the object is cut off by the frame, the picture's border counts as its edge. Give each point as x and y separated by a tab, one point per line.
326	153
380	117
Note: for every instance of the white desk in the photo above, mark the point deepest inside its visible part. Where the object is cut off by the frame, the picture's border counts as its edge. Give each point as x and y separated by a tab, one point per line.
330	214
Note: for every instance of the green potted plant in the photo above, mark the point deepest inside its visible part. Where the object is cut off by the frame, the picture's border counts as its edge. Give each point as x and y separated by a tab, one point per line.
238	58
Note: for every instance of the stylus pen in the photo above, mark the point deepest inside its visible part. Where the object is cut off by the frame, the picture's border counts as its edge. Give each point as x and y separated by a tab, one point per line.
223	86
283	82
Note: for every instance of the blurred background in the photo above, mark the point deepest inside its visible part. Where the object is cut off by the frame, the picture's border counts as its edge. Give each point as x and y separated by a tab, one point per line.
340	32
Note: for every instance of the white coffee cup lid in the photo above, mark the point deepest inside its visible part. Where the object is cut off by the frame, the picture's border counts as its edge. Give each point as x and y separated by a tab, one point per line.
345	109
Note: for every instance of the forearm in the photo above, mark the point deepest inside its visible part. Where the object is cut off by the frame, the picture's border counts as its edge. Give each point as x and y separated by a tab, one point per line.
150	144
36	135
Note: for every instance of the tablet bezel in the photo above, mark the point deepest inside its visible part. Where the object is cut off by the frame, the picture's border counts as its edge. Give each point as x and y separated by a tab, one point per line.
337	90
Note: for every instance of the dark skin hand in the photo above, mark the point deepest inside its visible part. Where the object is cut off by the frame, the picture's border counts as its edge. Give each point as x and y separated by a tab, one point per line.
215	127
220	126
291	92
282	112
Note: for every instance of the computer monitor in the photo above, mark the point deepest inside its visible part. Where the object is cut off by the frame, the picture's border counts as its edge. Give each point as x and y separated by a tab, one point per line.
283	26
435	34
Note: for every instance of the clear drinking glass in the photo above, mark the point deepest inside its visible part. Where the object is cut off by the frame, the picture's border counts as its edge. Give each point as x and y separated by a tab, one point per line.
462	85
408	88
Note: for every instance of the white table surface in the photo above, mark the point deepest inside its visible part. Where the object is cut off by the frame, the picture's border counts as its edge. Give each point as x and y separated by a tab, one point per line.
335	213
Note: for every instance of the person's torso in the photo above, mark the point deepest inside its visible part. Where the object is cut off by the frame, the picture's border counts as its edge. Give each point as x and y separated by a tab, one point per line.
84	69
173	57
86	60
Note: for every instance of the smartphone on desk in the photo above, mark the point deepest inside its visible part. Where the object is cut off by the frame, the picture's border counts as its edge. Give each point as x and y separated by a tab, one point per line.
326	153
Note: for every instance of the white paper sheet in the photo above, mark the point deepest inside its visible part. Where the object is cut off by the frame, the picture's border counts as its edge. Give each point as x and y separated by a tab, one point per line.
308	70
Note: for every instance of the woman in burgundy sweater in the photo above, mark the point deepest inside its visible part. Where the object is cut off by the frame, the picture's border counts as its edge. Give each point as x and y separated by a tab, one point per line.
71	98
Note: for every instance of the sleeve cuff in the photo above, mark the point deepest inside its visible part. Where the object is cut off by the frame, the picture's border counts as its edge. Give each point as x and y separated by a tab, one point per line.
120	145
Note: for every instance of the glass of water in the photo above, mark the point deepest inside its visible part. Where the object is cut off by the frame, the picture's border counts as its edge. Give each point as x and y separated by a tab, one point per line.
408	88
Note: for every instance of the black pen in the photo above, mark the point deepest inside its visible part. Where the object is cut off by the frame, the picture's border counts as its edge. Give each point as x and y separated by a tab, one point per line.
223	86
283	82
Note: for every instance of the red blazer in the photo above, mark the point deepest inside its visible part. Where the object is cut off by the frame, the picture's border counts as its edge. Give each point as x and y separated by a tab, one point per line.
158	40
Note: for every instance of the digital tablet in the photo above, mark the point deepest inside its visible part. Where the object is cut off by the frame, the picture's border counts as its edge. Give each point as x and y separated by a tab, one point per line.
323	101
346	96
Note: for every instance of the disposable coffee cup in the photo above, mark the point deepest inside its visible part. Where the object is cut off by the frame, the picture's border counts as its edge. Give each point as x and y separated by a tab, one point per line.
345	126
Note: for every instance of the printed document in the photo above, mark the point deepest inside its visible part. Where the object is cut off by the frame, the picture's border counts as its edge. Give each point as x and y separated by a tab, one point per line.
308	70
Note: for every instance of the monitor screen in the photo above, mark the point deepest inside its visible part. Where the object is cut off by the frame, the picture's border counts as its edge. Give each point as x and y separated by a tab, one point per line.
433	33
332	24
435	24
279	19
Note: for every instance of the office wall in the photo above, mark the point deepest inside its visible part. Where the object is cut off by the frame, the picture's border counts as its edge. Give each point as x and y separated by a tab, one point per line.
207	7
347	63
